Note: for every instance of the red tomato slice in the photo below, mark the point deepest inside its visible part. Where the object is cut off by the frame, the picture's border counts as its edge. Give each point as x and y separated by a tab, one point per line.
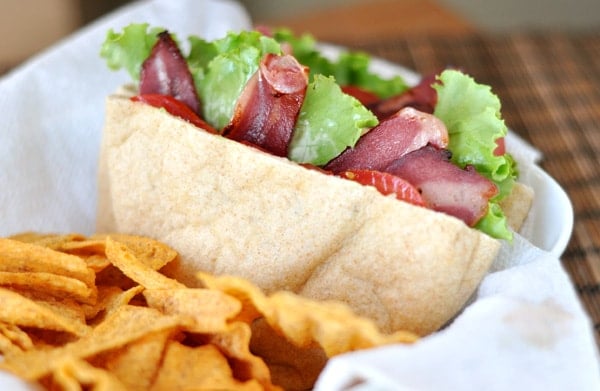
500	147
174	107
386	184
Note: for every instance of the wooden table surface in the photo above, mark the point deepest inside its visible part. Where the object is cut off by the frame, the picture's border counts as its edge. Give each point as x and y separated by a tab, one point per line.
375	19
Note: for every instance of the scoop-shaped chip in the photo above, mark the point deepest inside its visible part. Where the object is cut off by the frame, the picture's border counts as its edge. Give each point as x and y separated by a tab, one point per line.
150	252
97	262
16	256
210	309
125	325
52	284
137	363
13	339
246	365
69	308
52	241
292	367
125	260
332	325
19	310
76	374
247	293
110	299
7	346
201	368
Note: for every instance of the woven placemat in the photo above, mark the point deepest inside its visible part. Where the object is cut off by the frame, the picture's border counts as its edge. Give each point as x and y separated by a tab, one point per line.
549	84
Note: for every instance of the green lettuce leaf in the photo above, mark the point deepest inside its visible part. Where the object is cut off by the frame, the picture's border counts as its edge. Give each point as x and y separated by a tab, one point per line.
221	69
129	48
471	112
328	123
494	223
350	68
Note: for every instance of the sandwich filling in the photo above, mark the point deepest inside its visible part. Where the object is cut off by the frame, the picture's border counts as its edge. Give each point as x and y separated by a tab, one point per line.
437	144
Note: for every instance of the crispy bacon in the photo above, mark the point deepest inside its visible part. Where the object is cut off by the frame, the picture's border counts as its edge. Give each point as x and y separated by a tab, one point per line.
166	72
445	187
404	132
422	97
266	112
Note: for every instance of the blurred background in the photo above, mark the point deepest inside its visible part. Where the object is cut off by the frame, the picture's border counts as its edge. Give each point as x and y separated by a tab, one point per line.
31	25
491	15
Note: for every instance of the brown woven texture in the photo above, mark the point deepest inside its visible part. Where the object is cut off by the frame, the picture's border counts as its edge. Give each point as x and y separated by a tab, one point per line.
549	85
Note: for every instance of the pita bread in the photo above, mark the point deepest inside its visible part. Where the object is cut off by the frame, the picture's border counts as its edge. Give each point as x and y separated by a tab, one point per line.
230	209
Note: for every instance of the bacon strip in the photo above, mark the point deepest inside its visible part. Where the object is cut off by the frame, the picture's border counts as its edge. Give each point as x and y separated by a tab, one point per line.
266	112
421	97
165	72
404	132
445	187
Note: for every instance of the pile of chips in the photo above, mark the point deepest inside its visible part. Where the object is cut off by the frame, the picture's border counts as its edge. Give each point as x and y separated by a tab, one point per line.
100	313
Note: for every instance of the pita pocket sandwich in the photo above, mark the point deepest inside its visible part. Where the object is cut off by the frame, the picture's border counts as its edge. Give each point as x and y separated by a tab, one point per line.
249	162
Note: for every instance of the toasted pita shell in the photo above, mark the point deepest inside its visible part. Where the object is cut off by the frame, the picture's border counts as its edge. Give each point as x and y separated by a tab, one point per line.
230	209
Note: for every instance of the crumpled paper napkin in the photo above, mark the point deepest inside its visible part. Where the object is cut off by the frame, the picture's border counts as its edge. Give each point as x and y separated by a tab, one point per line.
524	329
